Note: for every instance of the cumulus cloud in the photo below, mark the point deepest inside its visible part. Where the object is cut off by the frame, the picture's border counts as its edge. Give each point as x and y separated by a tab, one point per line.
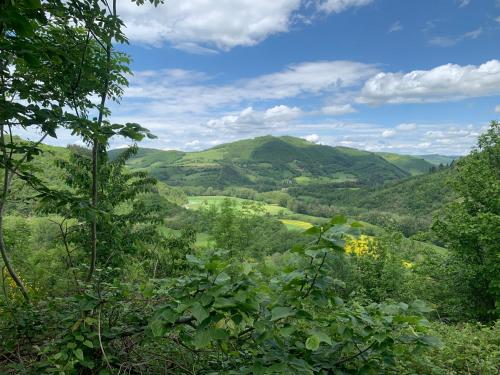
250	120
445	82
337	6
337	110
314	138
388	133
204	27
194	144
448	41
222	24
497	109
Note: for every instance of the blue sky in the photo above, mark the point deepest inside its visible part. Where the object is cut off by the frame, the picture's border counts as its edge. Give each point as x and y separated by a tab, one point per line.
411	77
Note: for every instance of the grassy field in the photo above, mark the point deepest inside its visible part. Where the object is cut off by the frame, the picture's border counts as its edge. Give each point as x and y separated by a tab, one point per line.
296	224
196	202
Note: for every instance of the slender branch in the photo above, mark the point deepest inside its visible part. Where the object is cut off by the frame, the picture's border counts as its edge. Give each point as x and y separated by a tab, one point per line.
316	275
354	356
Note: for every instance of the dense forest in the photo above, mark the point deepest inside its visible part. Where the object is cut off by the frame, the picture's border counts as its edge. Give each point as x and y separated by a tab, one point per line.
266	256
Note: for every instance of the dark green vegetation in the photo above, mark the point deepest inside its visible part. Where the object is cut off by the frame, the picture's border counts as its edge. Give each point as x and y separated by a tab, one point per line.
104	270
266	163
408	205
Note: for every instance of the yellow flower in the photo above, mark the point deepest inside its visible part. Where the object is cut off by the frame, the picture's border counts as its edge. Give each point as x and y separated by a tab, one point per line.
407	265
360	246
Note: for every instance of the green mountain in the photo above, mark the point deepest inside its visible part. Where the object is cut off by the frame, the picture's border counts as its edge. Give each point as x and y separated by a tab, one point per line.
411	202
436	159
267	163
414	165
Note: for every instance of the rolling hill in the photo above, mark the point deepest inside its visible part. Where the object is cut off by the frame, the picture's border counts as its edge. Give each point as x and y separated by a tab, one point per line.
414	165
267	163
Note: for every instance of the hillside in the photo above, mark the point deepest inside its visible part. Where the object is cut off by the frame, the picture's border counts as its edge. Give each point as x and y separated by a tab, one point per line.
411	202
436	159
414	165
267	163
23	198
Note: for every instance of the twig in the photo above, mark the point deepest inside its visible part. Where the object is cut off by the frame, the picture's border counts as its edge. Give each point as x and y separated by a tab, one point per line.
100	338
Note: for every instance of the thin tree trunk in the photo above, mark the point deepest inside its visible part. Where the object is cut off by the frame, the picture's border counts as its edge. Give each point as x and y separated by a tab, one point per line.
95	161
8	264
93	225
5	191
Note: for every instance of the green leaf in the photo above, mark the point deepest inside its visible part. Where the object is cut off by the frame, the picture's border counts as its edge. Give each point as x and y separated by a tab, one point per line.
312	343
78	354
431	341
420	306
322	337
199	312
247	268
88	344
312	230
157	328
339	219
202	339
281	313
192	259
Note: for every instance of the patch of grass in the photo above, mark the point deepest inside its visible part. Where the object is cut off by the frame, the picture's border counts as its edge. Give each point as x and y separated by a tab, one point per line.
296	224
196	202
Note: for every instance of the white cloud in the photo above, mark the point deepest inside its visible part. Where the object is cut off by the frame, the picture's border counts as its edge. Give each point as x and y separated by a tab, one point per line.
388	133
407	126
337	6
194	144
195	49
222	24
395	27
314	138
445	82
463	3
497	109
204	27
250	120
497	19
281	113
447	41
180	91
337	110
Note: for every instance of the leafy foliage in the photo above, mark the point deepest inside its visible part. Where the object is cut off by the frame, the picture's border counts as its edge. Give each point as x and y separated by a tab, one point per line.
470	225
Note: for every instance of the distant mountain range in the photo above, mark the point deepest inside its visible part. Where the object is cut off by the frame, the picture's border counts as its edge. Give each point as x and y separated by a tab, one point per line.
270	163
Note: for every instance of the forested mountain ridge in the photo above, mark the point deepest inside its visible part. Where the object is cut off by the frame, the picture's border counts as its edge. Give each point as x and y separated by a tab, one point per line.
269	163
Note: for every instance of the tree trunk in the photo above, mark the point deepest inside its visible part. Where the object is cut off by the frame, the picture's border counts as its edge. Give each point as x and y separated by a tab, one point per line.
93	225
